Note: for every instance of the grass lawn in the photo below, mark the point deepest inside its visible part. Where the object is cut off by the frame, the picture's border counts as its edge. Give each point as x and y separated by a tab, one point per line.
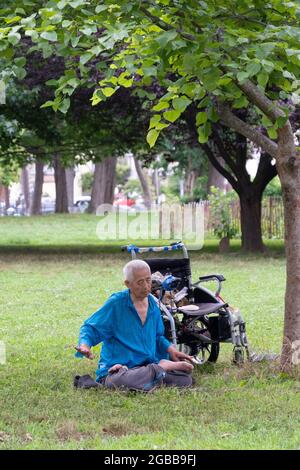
44	300
76	233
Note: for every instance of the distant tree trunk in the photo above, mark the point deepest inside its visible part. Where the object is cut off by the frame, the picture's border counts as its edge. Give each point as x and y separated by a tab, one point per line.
25	187
38	188
7	196
61	200
70	176
214	176
144	183
104	183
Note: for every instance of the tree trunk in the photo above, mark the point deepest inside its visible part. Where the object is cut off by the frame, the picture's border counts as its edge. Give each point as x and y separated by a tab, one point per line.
250	204
70	176
144	183
7	196
288	166
104	183
38	188
25	188
61	200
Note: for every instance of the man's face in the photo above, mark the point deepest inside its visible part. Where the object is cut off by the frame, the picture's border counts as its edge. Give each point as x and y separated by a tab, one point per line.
140	285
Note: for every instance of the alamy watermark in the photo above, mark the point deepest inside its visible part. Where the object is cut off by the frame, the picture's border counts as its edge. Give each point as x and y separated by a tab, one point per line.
166	222
2	353
2	92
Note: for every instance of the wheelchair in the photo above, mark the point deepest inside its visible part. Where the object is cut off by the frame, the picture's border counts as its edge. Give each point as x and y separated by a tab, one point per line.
196	320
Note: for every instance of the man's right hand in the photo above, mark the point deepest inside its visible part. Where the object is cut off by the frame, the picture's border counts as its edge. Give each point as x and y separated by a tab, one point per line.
85	350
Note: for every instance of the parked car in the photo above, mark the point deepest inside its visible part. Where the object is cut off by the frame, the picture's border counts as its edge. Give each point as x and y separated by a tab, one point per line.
82	204
47	205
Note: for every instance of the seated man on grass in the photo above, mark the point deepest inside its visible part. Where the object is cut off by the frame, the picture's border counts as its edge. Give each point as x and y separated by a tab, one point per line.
135	354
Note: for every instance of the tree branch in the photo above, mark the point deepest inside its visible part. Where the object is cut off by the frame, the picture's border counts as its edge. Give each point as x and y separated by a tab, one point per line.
220	168
265	172
256	97
232	121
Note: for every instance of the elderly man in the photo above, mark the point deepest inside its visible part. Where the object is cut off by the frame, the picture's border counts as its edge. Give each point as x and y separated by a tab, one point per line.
135	354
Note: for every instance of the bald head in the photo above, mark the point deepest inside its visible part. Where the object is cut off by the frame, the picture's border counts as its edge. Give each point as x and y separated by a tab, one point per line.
138	279
130	269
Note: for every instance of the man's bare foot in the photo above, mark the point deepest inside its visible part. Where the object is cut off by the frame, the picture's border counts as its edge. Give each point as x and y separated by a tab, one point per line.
180	365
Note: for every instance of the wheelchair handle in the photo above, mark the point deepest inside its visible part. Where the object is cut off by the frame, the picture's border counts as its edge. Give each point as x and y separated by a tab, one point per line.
219	278
133	249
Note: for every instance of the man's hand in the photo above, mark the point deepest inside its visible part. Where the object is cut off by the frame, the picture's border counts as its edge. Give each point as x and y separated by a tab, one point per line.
116	368
85	350
177	356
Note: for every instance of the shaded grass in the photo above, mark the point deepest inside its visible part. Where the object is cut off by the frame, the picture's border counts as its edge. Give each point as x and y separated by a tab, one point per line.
44	300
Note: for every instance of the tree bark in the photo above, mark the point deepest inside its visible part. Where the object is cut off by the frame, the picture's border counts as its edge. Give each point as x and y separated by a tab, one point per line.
144	184
38	188
25	188
61	200
7	196
104	183
250	205
70	176
288	166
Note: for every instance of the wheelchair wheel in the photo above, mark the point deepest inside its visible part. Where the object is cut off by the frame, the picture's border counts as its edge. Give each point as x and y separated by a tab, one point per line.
202	353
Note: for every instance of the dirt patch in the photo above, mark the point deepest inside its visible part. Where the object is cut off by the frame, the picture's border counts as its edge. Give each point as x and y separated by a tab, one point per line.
117	430
4	436
68	432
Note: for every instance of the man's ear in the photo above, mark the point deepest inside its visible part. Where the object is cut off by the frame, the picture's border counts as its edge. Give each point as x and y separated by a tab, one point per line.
127	283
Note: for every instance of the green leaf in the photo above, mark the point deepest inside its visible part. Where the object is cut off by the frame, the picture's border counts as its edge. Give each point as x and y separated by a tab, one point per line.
166	37
149	71
152	137
253	68
281	121
20	61
49	35
108	91
204	132
154	120
48	104
100	8
181	103
262	79
201	118
14	38
161	105
124	81
85	58
272	133
242	76
241	102
172	115
64	106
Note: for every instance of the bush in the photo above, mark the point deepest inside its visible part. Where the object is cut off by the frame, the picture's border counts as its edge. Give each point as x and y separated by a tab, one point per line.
273	188
220	213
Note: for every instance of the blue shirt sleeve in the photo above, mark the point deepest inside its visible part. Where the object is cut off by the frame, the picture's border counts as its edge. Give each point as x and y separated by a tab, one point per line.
162	343
99	326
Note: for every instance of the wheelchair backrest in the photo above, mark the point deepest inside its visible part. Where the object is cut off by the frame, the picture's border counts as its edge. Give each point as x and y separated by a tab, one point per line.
179	267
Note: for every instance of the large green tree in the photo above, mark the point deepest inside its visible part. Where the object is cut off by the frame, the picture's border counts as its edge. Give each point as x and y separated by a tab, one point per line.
221	55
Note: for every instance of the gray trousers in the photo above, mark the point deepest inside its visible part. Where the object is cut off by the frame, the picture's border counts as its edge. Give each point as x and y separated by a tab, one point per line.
146	378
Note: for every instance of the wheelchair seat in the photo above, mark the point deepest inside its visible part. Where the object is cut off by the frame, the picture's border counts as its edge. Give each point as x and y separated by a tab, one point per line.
202	309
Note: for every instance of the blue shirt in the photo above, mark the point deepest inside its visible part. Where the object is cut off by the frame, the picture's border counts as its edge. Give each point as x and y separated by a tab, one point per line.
125	339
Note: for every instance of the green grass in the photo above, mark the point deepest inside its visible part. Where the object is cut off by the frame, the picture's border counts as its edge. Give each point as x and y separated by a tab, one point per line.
44	300
76	233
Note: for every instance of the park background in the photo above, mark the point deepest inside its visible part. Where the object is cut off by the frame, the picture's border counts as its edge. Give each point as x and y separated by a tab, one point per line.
56	168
